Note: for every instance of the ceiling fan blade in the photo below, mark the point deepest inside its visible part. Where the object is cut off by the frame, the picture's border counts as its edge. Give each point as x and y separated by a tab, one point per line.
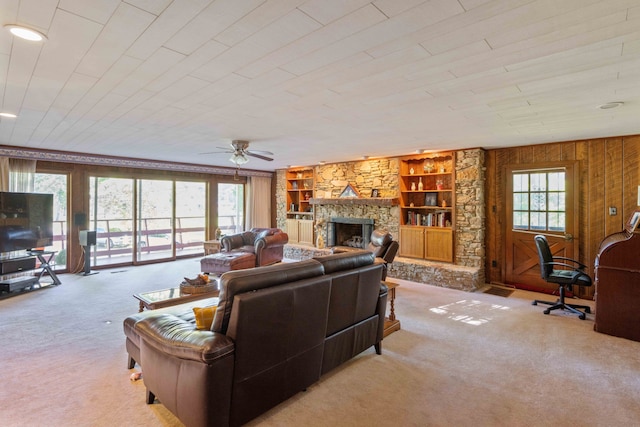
262	152
220	150
259	156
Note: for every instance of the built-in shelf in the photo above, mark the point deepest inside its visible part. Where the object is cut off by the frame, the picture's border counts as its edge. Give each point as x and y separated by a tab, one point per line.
371	201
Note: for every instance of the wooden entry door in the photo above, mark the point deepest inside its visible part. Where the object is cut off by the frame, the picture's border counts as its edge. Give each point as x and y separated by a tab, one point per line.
541	199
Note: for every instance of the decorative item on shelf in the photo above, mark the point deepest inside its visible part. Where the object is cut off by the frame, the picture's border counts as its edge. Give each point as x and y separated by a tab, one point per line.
444	203
293	207
218	233
411	204
442	169
411	171
420	185
307	196
294	185
439	184
413	186
431	199
349	191
299	175
375	193
306	185
428	165
319	238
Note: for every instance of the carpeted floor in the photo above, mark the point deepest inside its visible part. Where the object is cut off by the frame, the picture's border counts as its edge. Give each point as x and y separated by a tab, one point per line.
463	359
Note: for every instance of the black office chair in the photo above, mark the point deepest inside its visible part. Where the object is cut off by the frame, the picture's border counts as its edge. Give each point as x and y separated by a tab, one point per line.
572	274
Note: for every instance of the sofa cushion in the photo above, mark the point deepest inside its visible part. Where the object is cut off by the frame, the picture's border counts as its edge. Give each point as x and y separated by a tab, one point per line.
237	282
204	317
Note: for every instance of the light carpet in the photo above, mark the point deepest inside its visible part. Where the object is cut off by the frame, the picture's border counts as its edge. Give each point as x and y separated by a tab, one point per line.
460	359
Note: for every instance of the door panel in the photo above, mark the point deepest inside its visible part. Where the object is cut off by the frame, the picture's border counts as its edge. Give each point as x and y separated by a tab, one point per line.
538	206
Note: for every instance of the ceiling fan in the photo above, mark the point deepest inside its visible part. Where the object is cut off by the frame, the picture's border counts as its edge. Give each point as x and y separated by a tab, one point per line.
240	152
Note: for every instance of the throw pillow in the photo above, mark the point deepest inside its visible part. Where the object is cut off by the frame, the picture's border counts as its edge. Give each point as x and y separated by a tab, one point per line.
204	317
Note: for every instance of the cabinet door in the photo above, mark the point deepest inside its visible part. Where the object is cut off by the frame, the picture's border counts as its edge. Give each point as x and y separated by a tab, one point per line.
292	230
305	231
412	242
438	243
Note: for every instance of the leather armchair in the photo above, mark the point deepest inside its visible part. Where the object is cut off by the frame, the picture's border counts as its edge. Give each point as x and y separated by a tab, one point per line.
381	244
267	244
384	248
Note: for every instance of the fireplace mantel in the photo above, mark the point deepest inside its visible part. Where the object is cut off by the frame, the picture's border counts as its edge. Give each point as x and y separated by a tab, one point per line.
370	201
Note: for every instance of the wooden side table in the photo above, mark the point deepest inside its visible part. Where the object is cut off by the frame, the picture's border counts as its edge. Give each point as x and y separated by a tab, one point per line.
391	324
211	247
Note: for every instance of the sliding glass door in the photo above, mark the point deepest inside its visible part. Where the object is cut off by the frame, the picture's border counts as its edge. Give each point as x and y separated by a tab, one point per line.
56	184
230	208
111	216
191	222
167	218
155	220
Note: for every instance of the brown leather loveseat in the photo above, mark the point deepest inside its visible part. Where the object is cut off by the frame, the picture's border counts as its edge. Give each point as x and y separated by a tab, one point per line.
267	244
276	330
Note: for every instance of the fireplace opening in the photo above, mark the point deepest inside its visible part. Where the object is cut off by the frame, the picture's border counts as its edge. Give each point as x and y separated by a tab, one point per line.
353	232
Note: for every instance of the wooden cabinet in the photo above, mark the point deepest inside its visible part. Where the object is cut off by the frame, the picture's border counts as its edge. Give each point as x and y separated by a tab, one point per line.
300	215
427	200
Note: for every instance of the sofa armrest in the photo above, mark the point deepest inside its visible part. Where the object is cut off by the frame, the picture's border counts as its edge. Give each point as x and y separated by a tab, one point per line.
176	337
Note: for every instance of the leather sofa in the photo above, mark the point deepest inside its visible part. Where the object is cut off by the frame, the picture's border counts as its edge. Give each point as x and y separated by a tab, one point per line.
276	330
267	244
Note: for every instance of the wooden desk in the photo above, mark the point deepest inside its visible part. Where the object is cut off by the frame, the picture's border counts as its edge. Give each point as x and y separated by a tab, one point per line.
211	247
391	324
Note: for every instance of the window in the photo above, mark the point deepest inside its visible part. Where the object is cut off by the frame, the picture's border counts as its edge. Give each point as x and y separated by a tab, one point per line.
230	208
539	202
56	184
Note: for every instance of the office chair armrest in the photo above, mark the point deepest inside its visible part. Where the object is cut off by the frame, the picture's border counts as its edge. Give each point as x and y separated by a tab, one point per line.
581	265
569	266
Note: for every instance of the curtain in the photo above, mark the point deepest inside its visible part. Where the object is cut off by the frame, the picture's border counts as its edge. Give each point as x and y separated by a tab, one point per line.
4	174
22	175
258	202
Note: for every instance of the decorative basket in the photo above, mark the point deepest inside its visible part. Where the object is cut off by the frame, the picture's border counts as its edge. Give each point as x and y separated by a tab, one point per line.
186	288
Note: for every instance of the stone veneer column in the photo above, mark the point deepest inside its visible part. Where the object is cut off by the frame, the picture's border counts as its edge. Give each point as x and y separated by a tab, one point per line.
470	212
281	199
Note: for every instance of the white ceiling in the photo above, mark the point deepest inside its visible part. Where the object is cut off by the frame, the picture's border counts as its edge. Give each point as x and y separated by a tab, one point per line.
315	80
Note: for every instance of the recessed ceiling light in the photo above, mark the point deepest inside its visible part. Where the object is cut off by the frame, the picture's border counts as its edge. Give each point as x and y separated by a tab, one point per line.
9	115
419	151
26	33
322	162
610	105
365	157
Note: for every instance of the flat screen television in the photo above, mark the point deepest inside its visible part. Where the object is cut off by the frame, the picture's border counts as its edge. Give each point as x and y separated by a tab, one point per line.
26	221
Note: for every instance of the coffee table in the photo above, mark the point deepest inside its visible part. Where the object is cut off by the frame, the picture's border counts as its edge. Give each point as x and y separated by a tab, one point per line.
168	297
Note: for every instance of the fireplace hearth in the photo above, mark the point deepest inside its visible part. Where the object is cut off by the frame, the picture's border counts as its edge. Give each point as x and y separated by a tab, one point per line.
353	232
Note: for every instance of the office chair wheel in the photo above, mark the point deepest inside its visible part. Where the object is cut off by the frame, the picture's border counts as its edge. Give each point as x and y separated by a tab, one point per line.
587	310
547	311
582	317
534	303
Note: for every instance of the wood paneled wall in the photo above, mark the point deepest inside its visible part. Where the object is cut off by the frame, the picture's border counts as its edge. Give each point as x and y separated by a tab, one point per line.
609	171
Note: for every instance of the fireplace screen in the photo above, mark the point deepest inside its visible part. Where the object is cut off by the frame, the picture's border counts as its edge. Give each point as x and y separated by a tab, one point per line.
353	232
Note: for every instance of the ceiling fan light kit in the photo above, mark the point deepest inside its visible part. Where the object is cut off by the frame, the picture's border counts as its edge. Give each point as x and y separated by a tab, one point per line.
238	159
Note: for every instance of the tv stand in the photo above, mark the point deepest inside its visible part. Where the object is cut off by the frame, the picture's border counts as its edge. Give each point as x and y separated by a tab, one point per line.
24	263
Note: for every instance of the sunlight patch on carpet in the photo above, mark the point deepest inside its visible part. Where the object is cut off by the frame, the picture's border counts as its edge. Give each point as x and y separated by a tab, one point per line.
471	312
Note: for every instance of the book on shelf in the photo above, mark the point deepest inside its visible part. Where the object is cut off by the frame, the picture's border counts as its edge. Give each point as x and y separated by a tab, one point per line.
431	219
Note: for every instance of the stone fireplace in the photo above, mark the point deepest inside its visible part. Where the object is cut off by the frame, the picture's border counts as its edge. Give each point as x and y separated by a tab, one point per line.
353	232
